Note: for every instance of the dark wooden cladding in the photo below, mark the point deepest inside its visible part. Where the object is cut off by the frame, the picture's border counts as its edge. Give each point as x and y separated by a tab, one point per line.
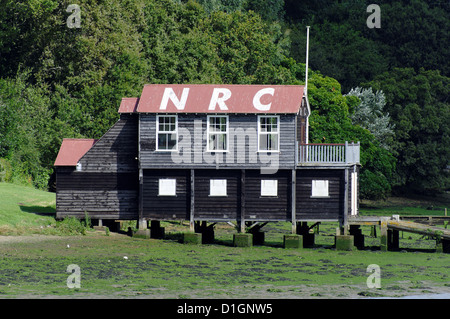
100	195
259	207
217	207
166	207
107	185
97	181
242	144
308	207
117	150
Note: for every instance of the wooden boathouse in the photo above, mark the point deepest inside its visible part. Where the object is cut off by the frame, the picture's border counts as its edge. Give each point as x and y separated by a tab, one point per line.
209	153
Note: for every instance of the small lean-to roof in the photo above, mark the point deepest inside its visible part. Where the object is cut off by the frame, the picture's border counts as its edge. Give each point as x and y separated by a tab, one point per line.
220	98
128	105
72	150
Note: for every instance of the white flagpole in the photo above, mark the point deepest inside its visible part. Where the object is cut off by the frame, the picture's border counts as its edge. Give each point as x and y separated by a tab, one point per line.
307	58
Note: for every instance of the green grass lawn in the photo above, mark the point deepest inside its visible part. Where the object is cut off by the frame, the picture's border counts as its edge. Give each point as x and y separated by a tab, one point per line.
35	266
25	210
407	206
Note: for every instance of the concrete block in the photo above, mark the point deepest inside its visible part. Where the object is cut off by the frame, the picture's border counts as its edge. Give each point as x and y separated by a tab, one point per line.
293	241
243	240
192	238
142	233
344	242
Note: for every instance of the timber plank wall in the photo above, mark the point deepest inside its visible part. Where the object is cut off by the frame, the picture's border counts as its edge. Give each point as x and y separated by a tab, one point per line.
308	207
107	185
243	200
242	151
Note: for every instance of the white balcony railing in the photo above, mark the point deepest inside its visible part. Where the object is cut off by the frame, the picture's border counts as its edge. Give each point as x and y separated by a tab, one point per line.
328	153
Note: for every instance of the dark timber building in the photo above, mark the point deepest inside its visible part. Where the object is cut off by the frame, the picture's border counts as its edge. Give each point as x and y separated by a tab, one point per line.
209	153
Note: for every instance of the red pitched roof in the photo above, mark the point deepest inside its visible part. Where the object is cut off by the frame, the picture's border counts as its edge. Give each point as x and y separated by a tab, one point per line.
72	150
218	98
128	105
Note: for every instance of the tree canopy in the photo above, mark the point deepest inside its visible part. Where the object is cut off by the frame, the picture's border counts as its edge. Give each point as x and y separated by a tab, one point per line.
57	81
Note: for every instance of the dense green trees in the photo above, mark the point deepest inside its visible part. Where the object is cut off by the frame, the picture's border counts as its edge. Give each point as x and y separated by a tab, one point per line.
412	34
370	114
331	122
57	81
419	107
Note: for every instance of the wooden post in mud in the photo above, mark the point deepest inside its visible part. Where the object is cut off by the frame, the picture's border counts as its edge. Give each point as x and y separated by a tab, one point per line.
389	238
384	234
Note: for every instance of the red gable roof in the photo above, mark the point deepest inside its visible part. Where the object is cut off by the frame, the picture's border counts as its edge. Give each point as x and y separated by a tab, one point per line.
128	105
72	150
217	98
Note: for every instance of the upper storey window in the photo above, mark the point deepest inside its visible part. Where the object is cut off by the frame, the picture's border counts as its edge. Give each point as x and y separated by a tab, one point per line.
217	131
166	132
268	133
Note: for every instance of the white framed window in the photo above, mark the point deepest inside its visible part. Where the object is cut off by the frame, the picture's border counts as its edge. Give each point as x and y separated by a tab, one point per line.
166	132
218	187
167	187
268	133
319	188
217	133
269	187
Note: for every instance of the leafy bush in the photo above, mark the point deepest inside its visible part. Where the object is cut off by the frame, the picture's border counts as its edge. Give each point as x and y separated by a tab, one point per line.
5	170
71	226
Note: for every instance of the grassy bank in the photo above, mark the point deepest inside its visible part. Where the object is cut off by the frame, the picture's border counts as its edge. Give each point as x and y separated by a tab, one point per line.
417	205
25	210
117	266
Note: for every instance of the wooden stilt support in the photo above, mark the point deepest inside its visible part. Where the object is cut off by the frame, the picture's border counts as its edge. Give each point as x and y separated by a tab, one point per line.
191	209
293	201
258	235
389	238
156	231
356	232
308	239
206	230
241	221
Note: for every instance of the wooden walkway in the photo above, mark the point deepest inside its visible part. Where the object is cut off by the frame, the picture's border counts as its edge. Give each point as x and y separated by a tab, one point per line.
420	219
418	228
391	226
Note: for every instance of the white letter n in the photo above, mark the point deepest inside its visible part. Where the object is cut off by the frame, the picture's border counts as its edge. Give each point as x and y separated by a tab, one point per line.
170	94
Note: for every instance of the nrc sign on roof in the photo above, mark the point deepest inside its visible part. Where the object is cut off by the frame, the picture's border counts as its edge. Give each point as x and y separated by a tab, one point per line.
208	98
